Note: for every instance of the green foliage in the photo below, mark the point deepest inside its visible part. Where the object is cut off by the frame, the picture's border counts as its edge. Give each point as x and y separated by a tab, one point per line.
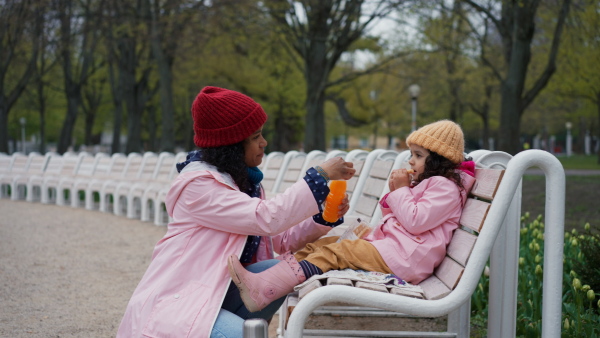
587	265
580	316
238	45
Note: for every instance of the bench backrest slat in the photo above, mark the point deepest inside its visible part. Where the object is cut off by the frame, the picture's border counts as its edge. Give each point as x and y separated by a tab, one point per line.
487	183
292	172
358	158
164	167
86	166
461	246
449	272
374	185
271	170
147	166
433	288
474	214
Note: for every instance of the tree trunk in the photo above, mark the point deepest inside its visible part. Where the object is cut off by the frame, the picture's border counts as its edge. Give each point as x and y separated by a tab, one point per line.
15	17
115	147
316	76
167	107
485	133
116	86
283	138
66	133
153	141
314	134
4	125
598	129
375	132
165	74
42	102
76	73
516	26
89	125
511	108
133	115
510	120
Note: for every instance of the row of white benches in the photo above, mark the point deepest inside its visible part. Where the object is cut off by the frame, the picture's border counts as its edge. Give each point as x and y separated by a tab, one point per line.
133	185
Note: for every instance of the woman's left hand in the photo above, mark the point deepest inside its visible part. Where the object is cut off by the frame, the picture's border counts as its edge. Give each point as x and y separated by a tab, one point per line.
344	207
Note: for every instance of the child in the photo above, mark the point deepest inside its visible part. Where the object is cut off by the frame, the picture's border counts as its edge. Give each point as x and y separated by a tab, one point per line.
418	221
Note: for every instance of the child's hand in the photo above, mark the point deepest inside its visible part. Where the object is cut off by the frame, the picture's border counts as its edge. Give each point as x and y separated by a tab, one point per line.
398	179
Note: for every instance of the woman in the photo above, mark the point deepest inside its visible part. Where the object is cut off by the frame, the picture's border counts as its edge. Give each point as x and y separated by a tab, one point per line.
217	209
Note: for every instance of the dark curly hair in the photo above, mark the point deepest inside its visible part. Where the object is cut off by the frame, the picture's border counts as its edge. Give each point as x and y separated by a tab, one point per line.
438	165
229	159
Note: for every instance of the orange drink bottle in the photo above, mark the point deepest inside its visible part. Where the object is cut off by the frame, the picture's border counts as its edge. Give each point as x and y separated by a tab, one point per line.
337	191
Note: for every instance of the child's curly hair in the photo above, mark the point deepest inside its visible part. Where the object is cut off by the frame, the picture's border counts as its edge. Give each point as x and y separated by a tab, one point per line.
438	165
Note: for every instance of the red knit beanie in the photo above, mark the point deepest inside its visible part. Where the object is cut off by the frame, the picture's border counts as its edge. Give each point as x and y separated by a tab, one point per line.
223	117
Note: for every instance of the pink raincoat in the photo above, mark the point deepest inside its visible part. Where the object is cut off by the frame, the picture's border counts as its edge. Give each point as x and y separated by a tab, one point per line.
182	291
417	225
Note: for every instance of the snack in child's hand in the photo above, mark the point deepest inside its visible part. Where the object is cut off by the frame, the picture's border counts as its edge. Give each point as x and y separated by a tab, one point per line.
357	230
361	230
410	171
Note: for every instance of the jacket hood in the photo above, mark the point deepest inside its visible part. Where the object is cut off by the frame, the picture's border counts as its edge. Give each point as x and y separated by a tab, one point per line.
189	173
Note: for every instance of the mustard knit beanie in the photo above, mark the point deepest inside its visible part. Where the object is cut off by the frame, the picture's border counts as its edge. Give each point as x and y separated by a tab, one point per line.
443	137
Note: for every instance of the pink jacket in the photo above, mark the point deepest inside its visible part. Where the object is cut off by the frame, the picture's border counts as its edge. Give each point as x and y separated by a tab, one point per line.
418	225
181	292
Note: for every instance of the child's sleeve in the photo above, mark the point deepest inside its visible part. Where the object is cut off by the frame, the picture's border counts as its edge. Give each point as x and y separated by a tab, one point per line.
439	201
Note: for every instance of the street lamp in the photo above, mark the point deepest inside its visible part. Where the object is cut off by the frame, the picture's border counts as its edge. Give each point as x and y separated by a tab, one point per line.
414	91
568	125
23	121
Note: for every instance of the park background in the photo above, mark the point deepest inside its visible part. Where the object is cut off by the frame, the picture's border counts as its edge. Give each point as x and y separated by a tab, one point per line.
120	76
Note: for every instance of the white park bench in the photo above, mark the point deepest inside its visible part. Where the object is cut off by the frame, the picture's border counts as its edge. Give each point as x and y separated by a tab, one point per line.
489	230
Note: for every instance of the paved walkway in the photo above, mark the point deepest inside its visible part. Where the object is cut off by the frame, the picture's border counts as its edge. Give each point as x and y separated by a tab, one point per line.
68	272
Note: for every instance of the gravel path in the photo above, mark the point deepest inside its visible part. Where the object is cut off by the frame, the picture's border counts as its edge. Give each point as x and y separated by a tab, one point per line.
68	272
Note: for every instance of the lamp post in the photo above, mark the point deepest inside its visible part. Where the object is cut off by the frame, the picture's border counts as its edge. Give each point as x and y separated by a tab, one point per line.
23	121
414	91
569	138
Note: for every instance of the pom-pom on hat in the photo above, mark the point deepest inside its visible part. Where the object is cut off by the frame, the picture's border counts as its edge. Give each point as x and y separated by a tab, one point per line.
223	117
443	137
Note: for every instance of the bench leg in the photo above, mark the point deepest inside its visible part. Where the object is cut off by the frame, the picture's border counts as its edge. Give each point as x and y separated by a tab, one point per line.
459	320
504	264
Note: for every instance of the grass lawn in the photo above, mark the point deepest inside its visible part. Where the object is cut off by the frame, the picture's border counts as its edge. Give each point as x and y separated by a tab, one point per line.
582	201
586	162
583	193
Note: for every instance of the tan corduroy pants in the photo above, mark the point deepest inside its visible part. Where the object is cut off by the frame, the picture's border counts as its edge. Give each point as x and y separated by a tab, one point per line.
348	254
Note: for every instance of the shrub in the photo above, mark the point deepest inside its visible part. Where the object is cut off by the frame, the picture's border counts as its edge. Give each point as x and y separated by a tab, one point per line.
588	265
579	315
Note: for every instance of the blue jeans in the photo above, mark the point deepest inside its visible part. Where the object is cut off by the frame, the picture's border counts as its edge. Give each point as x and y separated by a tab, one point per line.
230	321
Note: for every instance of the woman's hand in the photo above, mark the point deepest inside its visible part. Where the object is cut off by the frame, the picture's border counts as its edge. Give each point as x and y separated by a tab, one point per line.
342	208
338	169
398	179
